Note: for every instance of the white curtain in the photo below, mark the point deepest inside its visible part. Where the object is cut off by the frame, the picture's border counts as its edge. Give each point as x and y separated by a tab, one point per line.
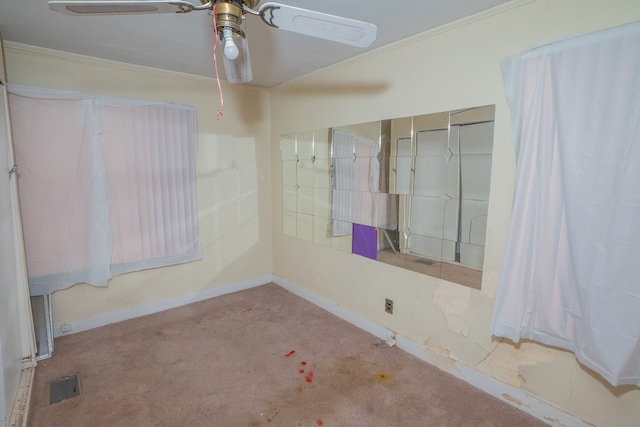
571	272
107	185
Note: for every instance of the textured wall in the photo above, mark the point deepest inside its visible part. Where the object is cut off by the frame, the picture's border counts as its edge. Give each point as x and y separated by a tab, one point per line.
453	67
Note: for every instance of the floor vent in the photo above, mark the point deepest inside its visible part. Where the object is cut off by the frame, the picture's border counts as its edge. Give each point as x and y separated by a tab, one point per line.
424	261
64	388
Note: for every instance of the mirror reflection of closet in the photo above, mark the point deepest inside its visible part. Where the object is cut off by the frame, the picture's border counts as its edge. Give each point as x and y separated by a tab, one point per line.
412	192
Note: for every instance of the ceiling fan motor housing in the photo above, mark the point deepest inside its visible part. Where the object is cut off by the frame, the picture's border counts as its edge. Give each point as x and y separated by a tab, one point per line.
229	14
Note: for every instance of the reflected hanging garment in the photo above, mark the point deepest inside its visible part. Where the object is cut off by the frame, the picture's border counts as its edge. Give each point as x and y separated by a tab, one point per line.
571	272
355	197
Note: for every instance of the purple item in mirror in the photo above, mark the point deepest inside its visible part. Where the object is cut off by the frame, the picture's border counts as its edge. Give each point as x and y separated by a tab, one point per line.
365	241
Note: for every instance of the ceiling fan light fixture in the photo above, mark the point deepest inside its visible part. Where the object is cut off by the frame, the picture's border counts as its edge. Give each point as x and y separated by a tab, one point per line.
238	70
236	60
228	21
231	51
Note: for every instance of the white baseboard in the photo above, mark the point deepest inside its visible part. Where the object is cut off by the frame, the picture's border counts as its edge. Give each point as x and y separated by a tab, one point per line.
157	306
515	397
20	409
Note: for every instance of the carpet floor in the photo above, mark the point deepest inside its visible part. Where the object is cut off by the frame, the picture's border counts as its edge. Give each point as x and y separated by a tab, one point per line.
260	357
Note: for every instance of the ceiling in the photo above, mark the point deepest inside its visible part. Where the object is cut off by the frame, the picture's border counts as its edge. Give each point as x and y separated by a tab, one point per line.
183	42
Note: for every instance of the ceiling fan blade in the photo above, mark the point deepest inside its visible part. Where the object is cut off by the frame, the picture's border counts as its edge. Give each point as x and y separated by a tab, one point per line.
120	7
318	24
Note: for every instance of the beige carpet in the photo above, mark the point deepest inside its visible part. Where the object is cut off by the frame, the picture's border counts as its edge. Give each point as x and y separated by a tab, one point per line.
261	357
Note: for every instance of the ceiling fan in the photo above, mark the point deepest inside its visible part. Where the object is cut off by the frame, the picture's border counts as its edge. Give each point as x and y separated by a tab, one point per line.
228	18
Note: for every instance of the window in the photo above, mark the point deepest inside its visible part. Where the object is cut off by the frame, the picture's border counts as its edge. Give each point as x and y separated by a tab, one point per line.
107	185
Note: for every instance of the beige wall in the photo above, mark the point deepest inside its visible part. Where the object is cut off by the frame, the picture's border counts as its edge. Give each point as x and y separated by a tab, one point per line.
233	176
453	67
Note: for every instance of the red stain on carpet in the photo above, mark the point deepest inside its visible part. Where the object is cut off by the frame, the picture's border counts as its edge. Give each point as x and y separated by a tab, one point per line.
309	377
319	422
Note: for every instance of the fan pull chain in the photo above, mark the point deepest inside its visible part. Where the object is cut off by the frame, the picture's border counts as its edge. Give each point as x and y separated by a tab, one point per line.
215	62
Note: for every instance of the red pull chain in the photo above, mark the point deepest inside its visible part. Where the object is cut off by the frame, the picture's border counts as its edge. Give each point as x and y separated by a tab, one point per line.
215	62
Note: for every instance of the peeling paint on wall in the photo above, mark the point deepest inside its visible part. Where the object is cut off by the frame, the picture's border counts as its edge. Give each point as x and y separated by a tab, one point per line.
555	378
453	301
437	347
514	400
438	354
505	361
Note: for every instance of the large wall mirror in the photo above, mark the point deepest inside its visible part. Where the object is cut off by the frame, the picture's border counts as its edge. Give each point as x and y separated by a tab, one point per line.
412	191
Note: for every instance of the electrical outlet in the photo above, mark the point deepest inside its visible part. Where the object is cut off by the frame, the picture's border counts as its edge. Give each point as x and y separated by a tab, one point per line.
65	328
388	305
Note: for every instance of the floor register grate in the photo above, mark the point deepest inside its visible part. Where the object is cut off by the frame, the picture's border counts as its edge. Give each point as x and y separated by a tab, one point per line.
64	388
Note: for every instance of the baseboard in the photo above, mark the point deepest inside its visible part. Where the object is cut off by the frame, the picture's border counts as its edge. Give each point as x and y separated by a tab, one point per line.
20	409
506	393
155	307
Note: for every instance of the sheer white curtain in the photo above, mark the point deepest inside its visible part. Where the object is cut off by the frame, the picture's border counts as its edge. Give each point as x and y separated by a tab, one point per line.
571	272
107	185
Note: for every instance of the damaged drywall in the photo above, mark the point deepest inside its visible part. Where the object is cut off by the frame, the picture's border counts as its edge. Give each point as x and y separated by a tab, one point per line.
453	300
467	315
505	361
583	391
